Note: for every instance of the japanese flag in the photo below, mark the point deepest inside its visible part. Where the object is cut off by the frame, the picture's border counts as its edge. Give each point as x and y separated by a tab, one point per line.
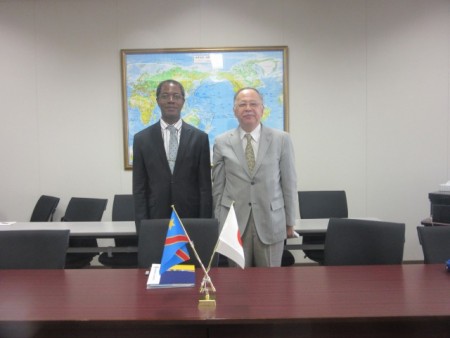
230	243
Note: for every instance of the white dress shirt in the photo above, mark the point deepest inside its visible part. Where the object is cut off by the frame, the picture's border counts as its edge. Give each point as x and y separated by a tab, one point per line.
256	135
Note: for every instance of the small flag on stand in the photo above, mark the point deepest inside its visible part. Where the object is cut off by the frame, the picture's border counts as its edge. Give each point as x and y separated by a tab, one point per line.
175	247
230	243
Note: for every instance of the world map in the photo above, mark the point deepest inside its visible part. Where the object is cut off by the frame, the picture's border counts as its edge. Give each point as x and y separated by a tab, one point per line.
210	81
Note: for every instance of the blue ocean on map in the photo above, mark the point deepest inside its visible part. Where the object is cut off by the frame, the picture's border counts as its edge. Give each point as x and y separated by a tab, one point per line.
209	91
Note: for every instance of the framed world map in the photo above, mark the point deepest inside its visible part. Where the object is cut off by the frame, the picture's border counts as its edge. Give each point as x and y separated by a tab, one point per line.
210	78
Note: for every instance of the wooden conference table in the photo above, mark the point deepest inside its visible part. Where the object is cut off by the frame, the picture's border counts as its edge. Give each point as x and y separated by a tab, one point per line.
119	229
311	301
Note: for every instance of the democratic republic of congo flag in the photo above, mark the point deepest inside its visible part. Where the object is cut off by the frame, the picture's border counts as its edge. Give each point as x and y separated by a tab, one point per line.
175	247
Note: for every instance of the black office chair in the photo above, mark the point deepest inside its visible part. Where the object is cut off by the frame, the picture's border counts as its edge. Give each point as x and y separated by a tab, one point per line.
363	242
82	209
122	210
435	241
33	249
44	209
321	204
204	233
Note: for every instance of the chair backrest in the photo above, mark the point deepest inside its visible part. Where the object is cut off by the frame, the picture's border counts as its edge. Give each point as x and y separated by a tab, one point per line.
44	209
123	208
435	241
203	232
33	249
363	242
323	204
82	209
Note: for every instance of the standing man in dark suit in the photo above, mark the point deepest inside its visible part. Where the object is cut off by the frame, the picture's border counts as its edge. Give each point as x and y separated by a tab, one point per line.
160	177
254	168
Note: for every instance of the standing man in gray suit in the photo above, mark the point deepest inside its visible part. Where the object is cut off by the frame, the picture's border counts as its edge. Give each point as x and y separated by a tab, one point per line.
253	166
171	163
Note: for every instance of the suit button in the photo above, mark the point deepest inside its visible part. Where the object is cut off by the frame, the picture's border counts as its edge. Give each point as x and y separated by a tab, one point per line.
249	204
252	183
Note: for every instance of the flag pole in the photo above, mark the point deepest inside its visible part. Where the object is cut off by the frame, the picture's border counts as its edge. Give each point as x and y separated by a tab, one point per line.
207	278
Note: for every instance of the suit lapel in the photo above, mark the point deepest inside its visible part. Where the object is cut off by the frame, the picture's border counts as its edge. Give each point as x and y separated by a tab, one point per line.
264	143
156	139
236	144
185	137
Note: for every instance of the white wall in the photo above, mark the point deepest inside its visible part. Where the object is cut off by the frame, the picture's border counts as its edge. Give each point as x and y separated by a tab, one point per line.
369	94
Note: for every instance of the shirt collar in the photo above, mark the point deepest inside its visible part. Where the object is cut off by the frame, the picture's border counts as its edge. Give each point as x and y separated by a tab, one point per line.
256	133
177	124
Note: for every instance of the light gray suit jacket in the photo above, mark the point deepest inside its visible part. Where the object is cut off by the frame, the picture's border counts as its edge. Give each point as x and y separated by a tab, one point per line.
270	192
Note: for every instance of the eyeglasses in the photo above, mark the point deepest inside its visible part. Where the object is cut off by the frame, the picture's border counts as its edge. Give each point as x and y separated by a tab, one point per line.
175	97
244	104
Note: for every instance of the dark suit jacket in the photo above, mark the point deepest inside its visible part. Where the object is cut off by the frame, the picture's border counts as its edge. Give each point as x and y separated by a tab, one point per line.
155	189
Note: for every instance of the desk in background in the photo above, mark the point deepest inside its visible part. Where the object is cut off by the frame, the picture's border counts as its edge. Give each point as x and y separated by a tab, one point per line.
429	222
78	229
83	229
313	301
317	226
118	229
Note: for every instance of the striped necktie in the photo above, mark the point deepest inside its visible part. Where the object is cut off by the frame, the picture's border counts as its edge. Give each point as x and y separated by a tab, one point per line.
173	147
